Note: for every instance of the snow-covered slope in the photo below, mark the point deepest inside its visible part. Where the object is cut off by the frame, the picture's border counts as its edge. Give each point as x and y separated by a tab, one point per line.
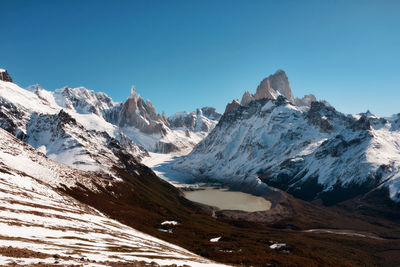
310	152
42	225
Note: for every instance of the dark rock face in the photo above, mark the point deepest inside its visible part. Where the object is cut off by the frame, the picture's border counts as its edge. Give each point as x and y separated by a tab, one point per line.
319	115
195	121
337	146
9	119
4	76
187	121
211	113
361	124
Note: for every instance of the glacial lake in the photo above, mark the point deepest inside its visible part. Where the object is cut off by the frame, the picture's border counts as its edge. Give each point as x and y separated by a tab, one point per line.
228	200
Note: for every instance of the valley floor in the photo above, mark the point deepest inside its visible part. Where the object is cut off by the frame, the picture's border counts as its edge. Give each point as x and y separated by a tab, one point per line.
312	235
161	165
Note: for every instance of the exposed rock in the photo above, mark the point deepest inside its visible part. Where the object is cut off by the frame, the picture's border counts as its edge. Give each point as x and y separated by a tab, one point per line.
246	98
316	117
211	113
305	101
136	112
83	100
273	86
203	120
163	147
4	76
233	105
361	124
11	118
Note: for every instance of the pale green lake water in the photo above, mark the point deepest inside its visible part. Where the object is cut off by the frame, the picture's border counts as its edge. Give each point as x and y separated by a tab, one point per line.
228	200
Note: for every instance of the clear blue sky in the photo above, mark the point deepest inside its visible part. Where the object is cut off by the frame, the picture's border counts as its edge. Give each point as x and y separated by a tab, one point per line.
187	54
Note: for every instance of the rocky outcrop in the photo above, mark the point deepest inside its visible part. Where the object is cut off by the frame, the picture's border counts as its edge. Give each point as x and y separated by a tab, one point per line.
84	101
305	101
203	120
4	76
211	113
136	112
11	119
273	86
231	106
246	98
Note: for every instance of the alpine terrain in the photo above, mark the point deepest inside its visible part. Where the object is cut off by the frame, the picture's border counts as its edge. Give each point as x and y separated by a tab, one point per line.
80	181
300	145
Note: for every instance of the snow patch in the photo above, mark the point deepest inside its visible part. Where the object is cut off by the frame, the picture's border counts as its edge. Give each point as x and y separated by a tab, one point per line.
277	246
215	239
170	223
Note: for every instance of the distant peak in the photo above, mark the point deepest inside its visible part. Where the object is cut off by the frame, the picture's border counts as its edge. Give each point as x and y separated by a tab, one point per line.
275	85
280	72
133	92
231	106
34	87
246	98
4	76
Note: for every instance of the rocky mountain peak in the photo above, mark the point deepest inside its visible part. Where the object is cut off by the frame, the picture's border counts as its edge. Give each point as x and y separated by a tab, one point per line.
199	122
305	101
133	92
4	76
246	98
273	86
141	114
231	106
211	113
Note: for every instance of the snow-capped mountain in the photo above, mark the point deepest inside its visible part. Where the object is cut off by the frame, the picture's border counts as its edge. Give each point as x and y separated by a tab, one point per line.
272	87
202	120
139	120
83	140
195	125
302	146
84	129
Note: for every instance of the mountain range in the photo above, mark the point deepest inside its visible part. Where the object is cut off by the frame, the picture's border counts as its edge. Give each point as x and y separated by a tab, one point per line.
302	146
270	138
73	152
